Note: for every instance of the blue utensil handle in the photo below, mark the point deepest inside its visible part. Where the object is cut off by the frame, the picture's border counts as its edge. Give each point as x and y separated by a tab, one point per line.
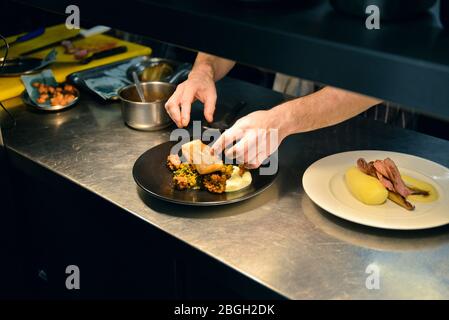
30	35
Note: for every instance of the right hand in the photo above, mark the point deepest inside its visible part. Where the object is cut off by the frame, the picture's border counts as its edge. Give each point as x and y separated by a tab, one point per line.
199	85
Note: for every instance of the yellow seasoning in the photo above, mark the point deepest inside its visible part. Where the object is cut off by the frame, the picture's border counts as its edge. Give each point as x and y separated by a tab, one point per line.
412	182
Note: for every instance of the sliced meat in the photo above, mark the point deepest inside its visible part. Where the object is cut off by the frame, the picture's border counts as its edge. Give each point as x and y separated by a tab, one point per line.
369	169
380	168
387	169
388	174
395	177
385	182
366	168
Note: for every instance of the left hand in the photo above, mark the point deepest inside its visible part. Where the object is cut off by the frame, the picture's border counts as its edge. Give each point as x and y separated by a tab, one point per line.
258	134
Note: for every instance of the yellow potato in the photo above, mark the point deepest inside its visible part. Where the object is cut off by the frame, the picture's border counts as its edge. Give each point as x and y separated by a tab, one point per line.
365	188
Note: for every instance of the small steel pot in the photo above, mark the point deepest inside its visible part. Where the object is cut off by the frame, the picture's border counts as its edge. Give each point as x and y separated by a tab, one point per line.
149	115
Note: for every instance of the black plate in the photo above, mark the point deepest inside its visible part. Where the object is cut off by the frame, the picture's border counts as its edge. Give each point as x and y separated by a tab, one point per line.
152	175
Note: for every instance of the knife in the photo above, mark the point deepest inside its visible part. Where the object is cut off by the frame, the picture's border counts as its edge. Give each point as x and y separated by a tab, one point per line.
81	35
104	54
30	35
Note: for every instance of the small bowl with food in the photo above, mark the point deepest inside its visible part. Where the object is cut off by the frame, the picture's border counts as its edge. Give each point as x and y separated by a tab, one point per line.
42	92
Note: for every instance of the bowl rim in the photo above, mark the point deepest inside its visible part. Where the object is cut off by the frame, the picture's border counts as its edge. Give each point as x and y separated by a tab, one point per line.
119	93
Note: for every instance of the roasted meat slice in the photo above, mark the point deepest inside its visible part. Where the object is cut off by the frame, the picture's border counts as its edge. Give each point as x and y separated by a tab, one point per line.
395	177
386	183
200	156
400	200
366	168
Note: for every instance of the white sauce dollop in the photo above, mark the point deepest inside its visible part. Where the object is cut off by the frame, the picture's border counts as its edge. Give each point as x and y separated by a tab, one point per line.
237	182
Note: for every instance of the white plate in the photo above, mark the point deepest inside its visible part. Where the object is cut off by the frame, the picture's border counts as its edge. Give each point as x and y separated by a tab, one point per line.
324	183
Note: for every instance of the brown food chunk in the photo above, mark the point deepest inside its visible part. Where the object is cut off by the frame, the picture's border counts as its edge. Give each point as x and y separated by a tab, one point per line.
215	182
180	182
42	99
42	88
69	98
173	162
69	88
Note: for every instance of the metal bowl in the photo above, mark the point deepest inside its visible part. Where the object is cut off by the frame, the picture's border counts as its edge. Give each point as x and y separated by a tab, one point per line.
150	115
153	69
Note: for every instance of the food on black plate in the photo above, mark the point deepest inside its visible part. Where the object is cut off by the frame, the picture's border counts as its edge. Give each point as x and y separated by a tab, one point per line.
205	171
200	156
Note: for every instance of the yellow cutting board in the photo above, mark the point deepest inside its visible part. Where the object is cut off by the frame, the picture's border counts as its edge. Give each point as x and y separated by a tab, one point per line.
13	86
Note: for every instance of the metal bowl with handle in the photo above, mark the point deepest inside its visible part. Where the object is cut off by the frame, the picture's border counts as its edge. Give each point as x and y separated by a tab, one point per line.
149	115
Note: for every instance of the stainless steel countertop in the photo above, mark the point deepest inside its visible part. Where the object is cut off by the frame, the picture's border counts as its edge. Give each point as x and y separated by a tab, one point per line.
279	238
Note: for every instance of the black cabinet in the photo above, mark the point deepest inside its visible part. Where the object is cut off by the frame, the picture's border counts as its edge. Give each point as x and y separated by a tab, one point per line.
444	13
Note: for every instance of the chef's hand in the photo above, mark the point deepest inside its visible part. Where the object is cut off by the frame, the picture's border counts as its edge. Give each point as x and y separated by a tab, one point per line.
199	85
258	135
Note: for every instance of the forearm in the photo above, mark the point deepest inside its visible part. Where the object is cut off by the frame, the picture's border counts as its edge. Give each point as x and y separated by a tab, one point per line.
321	109
215	67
